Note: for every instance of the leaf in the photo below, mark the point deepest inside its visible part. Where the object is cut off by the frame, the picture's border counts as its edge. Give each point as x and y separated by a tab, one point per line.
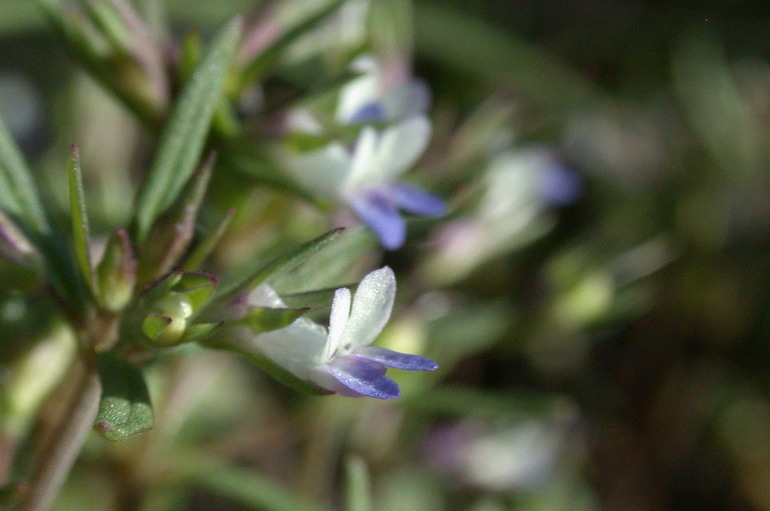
358	494
333	263
249	488
172	233
124	408
285	262
265	319
256	68
208	244
182	140
80	226
19	197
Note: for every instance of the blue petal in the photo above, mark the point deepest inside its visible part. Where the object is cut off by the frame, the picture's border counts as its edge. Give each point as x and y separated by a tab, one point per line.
397	360
383	218
370	112
561	186
363	376
417	201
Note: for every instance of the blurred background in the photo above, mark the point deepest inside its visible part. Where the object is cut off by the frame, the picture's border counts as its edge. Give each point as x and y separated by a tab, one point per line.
597	299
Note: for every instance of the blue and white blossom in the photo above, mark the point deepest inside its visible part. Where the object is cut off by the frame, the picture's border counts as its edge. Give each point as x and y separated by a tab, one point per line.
374	96
340	359
365	178
520	189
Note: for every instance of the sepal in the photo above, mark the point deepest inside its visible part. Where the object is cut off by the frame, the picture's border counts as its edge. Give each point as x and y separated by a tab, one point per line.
116	273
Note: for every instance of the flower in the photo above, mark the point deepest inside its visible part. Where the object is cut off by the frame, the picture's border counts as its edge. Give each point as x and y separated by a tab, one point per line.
365	179
376	97
520	190
341	359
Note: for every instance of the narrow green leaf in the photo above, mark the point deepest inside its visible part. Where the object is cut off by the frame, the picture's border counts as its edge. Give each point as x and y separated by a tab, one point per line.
183	139
200	331
208	244
285	262
80	226
124	409
171	235
358	494
249	488
19	197
265	319
257	66
335	263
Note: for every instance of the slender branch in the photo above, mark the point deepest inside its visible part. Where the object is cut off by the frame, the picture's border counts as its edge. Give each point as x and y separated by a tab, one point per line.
61	448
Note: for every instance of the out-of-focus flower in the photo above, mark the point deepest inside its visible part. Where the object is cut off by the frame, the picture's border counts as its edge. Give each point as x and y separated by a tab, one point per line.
340	360
519	189
375	97
523	455
366	178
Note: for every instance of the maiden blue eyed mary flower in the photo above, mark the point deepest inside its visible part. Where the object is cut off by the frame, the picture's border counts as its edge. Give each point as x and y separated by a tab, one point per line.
341	359
365	179
373	96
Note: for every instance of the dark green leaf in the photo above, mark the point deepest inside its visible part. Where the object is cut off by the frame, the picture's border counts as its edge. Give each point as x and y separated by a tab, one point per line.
124	409
185	134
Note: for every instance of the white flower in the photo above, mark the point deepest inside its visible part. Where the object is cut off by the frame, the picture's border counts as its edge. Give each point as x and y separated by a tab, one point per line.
365	179
341	360
373	97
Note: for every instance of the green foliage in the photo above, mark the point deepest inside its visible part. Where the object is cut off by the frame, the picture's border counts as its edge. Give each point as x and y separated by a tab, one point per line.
124	408
183	139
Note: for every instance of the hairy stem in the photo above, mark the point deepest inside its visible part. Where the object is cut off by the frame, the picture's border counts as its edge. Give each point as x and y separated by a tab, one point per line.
61	447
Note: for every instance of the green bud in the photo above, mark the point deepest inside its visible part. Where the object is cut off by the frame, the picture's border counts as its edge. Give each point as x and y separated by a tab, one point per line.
116	273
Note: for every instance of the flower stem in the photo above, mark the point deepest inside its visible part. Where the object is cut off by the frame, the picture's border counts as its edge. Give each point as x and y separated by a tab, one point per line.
61	447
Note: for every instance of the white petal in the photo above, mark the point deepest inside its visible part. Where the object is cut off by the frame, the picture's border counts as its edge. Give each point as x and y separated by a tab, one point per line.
371	309
362	168
337	321
298	348
322	171
400	147
357	93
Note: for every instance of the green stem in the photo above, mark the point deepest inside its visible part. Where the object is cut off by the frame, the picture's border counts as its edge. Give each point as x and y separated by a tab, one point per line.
62	446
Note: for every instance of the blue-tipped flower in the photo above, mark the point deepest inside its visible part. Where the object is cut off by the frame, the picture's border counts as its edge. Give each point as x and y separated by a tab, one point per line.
375	97
341	360
366	178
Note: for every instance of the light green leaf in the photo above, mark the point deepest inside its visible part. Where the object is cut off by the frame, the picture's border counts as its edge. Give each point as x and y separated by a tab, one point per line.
124	409
19	197
250	488
265	319
285	262
183	138
80	226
